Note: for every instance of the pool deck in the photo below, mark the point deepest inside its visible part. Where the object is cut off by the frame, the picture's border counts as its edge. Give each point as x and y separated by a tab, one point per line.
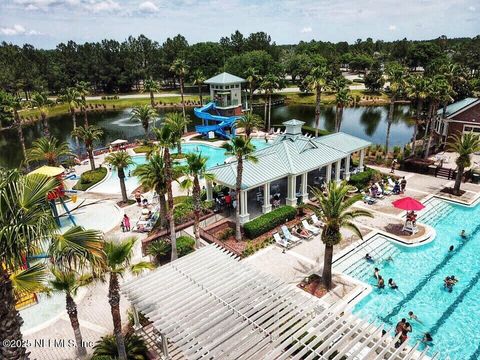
291	266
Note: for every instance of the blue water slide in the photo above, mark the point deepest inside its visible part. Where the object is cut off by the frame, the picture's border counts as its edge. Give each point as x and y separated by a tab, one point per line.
223	122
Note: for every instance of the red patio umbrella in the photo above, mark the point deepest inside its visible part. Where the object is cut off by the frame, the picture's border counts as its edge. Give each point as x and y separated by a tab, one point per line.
408	203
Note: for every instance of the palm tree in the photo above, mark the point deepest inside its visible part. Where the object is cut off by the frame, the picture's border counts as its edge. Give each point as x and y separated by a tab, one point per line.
43	103
252	77
151	86
342	98
24	224
88	134
49	150
337	84
396	76
178	124
269	84
68	282
243	150
120	160
196	169
143	114
439	92
317	81
249	122
416	88
333	208
199	79
152	175
13	105
71	97
166	140
83	89
464	145
180	68
118	259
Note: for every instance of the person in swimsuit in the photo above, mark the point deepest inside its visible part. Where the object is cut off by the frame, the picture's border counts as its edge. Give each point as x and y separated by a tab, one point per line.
369	258
392	284
376	273
381	282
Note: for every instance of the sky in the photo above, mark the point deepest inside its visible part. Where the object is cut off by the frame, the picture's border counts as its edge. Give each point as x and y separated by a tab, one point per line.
45	23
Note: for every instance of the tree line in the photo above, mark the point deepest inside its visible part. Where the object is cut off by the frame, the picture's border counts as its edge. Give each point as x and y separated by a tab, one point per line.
111	66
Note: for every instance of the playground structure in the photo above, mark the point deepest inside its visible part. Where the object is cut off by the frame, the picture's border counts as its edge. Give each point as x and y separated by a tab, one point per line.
220	115
28	299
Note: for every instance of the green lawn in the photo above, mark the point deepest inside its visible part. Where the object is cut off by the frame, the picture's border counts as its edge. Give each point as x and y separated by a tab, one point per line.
111	104
328	98
90	178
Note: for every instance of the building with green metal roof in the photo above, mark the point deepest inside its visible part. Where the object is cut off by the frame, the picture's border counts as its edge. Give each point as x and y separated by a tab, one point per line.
291	155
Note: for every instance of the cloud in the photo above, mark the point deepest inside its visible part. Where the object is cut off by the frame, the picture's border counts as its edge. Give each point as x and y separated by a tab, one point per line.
392	28
17	30
471	8
306	29
148	7
102	6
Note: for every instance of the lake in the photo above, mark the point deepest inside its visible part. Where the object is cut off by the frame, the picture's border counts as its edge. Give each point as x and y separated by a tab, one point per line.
366	122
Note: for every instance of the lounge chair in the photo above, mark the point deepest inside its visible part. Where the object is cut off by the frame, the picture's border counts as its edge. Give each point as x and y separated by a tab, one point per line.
316	221
288	235
281	241
313	229
391	182
385	191
368	199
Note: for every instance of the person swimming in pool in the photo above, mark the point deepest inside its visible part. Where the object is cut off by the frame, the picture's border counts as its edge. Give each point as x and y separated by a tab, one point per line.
376	273
380	283
427	338
412	316
392	284
369	258
451	248
449	282
463	234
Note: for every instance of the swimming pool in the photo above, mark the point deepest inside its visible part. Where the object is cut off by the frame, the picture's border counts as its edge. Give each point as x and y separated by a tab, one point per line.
453	318
215	156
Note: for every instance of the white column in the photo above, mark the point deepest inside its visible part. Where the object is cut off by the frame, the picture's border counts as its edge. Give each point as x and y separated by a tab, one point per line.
362	158
304	188
165	347
136	320
209	191
346	176
244	215
328	176
291	190
266	207
338	165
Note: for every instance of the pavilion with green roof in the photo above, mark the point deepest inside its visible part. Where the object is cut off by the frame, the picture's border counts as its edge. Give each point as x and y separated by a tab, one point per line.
292	156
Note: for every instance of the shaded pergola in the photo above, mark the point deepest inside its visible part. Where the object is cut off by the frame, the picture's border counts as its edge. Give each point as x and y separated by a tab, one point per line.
291	156
209	305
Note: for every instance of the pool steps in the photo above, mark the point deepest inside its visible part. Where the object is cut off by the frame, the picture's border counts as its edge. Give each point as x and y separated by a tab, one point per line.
354	264
436	209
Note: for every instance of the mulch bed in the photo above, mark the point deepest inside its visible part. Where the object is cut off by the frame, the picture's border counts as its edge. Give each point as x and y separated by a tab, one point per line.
449	190
313	285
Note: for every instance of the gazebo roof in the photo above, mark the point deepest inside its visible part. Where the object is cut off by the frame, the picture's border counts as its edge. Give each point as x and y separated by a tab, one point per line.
291	154
210	305
225	78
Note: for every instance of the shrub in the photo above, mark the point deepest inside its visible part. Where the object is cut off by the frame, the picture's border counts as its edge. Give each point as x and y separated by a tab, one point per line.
269	221
161	249
143	149
225	234
185	245
90	178
252	248
362	179
106	348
